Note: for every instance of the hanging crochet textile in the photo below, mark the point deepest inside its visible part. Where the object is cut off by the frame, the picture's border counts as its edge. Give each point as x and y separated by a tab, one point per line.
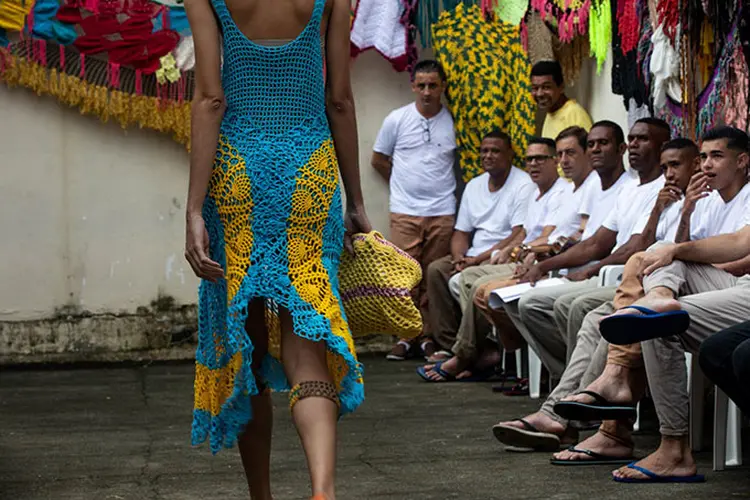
429	11
488	82
508	11
377	25
102	56
630	71
600	31
572	16
717	102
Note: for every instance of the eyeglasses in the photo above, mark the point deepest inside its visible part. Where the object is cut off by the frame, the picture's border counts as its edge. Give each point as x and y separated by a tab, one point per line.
530	160
426	131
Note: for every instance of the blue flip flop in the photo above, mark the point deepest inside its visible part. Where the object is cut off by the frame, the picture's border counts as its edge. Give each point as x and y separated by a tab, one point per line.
437	368
632	328
652	477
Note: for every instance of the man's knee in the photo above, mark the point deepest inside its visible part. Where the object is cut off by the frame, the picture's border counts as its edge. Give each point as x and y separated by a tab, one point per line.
437	269
741	361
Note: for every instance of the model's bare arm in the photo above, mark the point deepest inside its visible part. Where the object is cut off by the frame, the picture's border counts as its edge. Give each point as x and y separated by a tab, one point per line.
207	111
382	165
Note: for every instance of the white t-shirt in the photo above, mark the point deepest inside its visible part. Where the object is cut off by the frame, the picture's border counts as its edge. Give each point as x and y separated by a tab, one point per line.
576	206
669	221
600	203
544	211
492	216
712	216
633	203
422	180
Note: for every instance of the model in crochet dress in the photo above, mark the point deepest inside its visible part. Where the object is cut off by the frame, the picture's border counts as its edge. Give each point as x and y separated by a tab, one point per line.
265	228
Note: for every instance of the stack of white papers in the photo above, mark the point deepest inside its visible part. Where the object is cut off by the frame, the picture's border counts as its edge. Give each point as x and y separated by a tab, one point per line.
500	296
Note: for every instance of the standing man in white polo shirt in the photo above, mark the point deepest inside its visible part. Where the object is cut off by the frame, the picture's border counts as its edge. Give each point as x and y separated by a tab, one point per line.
415	153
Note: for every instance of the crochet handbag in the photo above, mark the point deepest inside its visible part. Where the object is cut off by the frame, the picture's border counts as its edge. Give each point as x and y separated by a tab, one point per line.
375	282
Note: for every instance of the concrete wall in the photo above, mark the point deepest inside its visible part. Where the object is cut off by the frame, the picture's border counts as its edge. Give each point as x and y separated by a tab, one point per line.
92	223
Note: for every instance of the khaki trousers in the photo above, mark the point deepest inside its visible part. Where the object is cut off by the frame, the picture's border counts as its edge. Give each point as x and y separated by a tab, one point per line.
715	300
426	239
474	327
444	311
533	316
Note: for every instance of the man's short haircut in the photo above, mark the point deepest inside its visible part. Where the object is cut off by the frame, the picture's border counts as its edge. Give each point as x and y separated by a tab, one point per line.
681	143
575	131
736	138
428	66
549	68
656	122
615	128
545	141
499	134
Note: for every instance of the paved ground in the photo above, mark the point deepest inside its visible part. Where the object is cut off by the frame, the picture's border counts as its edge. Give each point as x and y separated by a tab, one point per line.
123	433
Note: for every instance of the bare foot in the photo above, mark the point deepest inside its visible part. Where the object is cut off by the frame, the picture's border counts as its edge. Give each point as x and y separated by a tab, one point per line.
673	458
542	423
656	301
616	384
453	366
598	443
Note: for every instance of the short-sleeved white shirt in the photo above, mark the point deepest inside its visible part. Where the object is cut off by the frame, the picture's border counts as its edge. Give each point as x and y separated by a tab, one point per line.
543	211
669	221
712	216
601	203
492	216
576	206
422	151
633	203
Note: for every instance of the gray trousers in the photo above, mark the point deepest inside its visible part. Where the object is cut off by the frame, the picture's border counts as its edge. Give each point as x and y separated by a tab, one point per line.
586	363
534	316
715	300
572	308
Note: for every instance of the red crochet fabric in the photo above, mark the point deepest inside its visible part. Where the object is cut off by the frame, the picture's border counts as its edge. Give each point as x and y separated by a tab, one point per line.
669	17
124	30
628	25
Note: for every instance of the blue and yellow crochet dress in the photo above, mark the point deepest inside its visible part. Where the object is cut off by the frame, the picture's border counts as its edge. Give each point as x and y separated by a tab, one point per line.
275	224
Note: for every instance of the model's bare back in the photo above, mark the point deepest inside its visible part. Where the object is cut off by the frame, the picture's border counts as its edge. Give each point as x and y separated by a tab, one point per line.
274	19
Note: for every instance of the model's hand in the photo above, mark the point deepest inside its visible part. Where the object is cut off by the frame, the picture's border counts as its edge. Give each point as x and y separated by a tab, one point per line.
355	222
656	259
501	256
667	196
196	250
471	262
697	189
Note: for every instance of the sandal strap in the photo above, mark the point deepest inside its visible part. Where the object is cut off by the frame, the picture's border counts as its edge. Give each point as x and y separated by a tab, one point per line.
597	397
527	425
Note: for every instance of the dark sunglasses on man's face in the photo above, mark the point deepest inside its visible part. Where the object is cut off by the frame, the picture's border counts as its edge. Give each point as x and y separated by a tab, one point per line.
538	159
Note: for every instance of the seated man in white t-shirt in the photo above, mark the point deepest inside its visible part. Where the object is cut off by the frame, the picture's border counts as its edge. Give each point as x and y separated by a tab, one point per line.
679	159
415	153
551	194
490	217
716	203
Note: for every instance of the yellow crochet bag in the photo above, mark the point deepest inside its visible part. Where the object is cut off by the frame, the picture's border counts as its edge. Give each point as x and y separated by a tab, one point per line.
375	282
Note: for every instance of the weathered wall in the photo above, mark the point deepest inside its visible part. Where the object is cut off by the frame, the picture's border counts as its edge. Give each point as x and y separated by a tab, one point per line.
92	223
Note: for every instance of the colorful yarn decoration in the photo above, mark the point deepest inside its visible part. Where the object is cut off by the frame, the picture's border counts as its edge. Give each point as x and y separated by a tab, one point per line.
429	11
600	31
509	11
628	25
630	70
375	283
572	16
488	82
13	14
669	18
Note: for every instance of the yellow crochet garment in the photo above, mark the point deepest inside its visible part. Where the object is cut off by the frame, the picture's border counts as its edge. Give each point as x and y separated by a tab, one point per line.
488	82
13	14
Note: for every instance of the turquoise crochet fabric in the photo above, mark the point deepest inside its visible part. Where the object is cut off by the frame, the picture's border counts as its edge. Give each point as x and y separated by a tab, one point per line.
274	217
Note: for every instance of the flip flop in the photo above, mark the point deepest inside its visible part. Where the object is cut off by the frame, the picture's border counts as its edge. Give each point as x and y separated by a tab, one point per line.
449	377
600	409
528	437
480	375
596	459
625	329
652	477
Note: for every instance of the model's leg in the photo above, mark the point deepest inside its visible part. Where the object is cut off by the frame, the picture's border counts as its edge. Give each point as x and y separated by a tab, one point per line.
255	443
314	404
